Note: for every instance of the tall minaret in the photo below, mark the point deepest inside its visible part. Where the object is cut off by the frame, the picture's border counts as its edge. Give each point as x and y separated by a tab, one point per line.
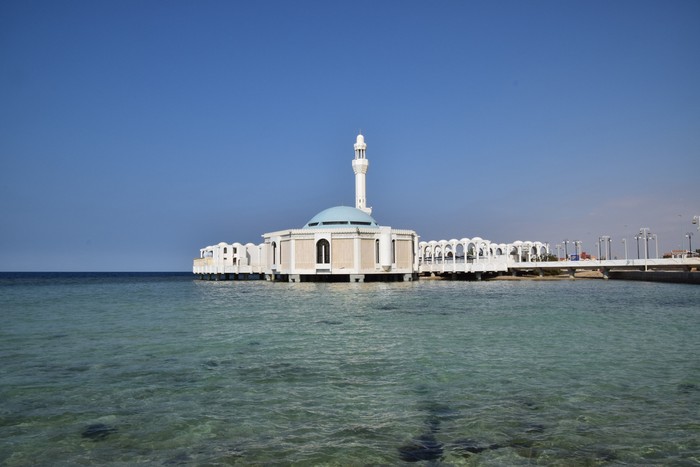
359	166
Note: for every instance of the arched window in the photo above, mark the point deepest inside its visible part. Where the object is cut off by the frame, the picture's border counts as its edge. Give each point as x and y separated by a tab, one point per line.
393	252
274	253
323	252
225	250
376	251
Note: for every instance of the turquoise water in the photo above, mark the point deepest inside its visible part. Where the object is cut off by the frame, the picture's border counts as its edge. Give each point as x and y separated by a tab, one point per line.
163	369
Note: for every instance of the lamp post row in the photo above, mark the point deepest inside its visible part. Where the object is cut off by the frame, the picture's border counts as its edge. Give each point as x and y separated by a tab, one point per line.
605	240
644	234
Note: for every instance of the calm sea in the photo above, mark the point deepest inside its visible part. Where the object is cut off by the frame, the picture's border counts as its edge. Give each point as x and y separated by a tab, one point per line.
121	369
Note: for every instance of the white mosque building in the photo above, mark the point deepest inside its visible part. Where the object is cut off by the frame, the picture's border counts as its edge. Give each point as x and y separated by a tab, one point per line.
343	243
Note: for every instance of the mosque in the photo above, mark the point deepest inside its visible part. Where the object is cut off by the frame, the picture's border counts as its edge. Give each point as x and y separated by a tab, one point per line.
346	244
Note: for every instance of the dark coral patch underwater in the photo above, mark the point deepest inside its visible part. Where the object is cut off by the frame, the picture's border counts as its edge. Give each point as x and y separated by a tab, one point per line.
98	431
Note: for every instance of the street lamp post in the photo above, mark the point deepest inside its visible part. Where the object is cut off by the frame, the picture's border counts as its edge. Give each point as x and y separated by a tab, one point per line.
624	242
566	248
600	256
644	233
689	235
577	245
606	239
636	237
656	243
558	245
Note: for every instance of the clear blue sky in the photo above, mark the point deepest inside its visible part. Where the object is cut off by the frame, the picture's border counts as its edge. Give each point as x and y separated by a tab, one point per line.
133	133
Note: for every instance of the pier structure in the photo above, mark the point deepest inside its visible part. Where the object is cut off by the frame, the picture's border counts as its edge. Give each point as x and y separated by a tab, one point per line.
489	265
607	266
476	255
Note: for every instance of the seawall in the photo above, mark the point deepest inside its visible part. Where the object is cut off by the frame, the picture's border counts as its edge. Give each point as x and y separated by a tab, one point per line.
679	277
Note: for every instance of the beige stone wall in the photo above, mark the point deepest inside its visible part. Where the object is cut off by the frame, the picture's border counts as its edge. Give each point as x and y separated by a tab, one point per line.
285	254
367	258
342	255
305	254
404	253
201	262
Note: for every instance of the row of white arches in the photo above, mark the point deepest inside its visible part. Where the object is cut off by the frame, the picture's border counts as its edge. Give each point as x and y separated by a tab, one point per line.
477	249
233	254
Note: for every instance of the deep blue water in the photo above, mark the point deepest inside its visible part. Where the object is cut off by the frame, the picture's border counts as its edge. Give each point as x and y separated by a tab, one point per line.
166	369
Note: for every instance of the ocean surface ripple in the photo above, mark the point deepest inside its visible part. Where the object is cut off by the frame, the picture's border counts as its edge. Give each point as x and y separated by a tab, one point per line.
164	369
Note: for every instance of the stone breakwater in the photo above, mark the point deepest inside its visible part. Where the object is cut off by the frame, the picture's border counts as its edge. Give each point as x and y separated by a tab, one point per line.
676	277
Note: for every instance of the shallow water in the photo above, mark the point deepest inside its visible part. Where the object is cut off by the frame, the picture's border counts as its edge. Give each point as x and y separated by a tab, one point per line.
164	369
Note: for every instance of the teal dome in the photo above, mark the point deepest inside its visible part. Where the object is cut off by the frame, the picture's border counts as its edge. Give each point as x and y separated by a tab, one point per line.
339	217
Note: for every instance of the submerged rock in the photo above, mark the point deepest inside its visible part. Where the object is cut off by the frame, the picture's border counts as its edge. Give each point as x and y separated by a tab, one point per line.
179	459
423	448
211	364
520	443
534	428
330	322
433	424
467	447
606	455
98	431
687	388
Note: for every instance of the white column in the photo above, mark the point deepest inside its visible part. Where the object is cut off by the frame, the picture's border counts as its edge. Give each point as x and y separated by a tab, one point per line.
385	248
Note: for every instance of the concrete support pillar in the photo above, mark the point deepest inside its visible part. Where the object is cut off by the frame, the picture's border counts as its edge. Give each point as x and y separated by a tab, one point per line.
540	272
357	277
606	273
478	276
294	278
572	273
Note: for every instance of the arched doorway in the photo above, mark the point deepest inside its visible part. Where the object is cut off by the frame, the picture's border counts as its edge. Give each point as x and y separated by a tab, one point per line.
323	252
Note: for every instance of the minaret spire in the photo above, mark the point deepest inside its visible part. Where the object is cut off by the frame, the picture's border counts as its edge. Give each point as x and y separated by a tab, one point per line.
359	166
